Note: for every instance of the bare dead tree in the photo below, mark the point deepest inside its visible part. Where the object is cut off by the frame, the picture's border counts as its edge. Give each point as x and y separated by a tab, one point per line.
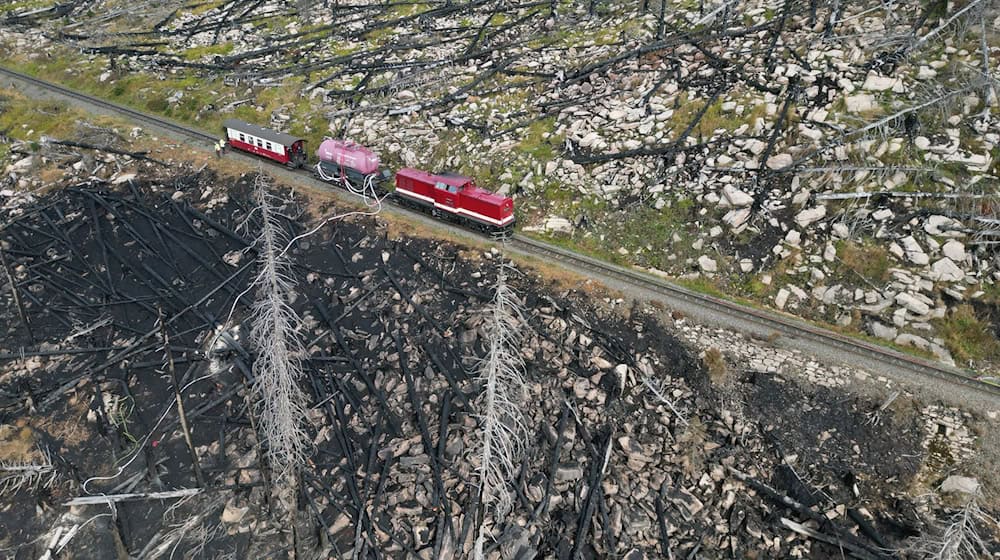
959	537
502	429
273	333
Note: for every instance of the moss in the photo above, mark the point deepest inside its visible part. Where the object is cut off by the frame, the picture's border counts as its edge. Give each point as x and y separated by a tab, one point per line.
967	336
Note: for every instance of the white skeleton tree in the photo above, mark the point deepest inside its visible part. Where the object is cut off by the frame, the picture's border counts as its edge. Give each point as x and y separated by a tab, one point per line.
501	424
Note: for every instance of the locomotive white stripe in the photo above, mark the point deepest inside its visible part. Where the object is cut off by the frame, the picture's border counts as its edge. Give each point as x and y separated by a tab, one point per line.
456	210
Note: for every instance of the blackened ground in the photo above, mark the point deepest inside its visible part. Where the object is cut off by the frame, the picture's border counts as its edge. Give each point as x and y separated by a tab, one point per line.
391	327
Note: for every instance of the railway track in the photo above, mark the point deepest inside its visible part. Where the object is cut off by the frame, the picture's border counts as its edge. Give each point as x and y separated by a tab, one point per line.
930	379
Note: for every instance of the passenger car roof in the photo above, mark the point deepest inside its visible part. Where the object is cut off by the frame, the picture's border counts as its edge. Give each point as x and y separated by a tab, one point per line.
261	132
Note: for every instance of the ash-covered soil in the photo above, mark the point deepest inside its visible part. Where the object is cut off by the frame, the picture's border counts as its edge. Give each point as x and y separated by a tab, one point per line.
392	327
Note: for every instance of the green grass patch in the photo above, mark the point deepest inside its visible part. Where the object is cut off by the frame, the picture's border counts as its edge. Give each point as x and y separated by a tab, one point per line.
967	336
536	144
41	118
25	6
196	53
868	260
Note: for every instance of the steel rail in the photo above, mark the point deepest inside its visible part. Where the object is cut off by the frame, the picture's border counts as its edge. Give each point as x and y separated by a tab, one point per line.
792	327
773	321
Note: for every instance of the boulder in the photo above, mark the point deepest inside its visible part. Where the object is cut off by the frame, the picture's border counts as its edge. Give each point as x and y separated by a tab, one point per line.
945	270
911	303
736	218
558	224
939	225
734	198
883	331
914	252
963	484
859	103
779	161
874	82
707	264
954	250
782	298
810	215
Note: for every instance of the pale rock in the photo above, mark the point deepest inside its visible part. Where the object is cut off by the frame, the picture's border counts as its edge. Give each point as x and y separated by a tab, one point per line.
782	298
801	198
735	198
914	252
233	514
962	484
810	216
925	73
756	147
882	214
21	165
911	303
793	238
736	218
922	143
746	265
779	161
798	292
874	82
829	252
945	270
558	224
551	166
589	140
617	115
859	103
954	250
939	225
907	339
841	230
707	264
715	231
123	178
882	331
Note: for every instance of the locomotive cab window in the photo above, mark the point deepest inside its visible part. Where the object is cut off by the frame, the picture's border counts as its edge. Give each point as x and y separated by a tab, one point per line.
268	146
260	144
242	138
440	185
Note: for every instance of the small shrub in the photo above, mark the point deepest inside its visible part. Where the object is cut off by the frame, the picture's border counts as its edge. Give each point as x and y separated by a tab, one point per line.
157	105
715	363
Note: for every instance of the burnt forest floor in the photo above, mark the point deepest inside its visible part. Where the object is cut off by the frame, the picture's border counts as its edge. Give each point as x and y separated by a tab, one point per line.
392	325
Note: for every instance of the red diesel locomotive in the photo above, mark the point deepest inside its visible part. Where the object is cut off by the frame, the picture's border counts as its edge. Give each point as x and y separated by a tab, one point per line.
357	168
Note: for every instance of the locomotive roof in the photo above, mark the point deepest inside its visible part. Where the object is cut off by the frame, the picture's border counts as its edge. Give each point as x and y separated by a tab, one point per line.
261	132
452	179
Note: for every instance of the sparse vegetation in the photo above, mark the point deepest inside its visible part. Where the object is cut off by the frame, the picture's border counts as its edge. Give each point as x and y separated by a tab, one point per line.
967	336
